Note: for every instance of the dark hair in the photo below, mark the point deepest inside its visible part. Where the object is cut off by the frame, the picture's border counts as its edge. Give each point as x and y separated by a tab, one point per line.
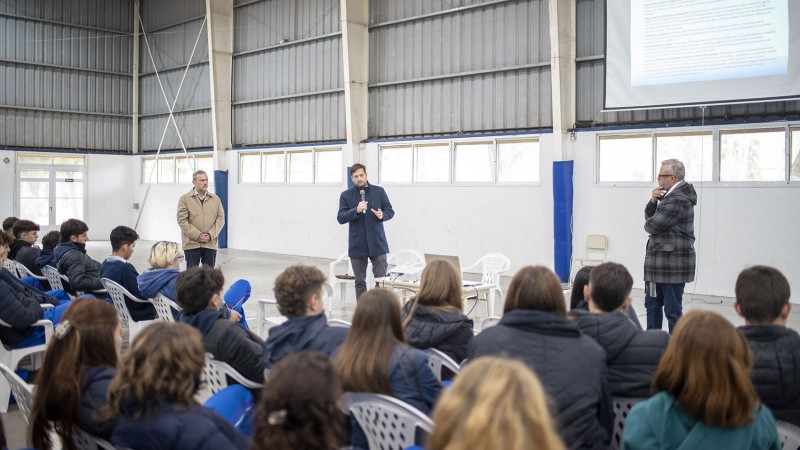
357	166
439	288
294	286
195	287
298	408
87	342
536	288
21	226
761	292
365	355
9	222
706	368
51	240
72	227
122	235
610	284
578	283
5	239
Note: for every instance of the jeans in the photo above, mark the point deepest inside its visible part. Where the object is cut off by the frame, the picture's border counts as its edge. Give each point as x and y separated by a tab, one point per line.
669	297
359	264
37	337
197	256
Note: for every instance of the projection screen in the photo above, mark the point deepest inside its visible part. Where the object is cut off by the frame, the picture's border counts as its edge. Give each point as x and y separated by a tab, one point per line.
673	53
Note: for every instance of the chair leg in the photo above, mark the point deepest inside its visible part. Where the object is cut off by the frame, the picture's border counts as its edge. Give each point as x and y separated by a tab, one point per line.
261	314
490	303
5	393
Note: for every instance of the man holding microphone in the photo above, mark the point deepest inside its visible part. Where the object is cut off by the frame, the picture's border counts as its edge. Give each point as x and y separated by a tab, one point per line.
365	207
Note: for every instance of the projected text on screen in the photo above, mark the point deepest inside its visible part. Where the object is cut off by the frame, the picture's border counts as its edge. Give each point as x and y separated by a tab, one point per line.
678	41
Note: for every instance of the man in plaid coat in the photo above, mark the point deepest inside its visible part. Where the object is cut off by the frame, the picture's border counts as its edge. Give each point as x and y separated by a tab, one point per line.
669	262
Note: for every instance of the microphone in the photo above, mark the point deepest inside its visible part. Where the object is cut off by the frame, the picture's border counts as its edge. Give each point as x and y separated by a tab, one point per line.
362	198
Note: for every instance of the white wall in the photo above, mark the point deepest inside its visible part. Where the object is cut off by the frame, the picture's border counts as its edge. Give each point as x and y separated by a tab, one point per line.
735	227
158	207
109	197
8	184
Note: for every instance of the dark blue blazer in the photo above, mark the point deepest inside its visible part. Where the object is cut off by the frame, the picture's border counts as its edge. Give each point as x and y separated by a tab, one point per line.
367	237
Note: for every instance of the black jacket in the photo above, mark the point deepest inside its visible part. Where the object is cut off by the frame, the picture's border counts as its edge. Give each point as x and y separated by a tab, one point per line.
229	342
26	254
571	367
82	271
94	387
302	333
19	307
776	368
449	332
632	356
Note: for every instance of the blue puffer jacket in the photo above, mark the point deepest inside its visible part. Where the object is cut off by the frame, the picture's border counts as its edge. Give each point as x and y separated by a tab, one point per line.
82	271
174	427
19	307
302	333
367	237
94	387
158	281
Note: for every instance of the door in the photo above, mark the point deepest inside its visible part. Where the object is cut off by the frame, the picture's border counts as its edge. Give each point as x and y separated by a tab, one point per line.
50	191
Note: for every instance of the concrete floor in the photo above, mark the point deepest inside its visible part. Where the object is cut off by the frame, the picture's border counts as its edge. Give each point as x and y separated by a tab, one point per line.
261	269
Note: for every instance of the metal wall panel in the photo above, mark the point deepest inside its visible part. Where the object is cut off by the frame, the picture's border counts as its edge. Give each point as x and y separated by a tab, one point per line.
195	93
305	119
309	72
387	10
172	47
590	33
158	14
108	14
488	69
42	129
195	129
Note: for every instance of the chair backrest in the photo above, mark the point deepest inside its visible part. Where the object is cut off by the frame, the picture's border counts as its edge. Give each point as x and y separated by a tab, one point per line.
23	392
23	271
214	377
596	246
789	435
339	323
438	360
164	307
489	322
493	265
11	266
118	294
622	408
387	422
53	277
86	441
405	257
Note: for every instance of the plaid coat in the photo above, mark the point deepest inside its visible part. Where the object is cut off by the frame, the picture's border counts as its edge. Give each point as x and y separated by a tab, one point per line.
670	256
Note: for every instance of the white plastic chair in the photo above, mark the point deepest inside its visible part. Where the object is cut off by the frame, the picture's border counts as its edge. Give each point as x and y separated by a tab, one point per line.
339	323
405	257
215	376
265	322
438	360
23	392
789	435
489	322
86	441
11	358
23	271
164	307
53	277
11	266
342	281
118	294
492	265
595	254
622	409
387	422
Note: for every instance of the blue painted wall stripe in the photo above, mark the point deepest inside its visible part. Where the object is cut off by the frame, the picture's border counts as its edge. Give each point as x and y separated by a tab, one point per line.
562	217
221	188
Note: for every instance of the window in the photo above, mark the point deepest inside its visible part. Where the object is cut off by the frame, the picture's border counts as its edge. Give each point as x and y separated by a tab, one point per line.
50	187
301	166
432	164
175	168
752	155
397	164
794	165
473	162
694	150
518	161
625	158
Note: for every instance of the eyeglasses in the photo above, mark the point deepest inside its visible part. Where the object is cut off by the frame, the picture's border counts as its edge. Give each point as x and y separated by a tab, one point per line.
667	175
179	258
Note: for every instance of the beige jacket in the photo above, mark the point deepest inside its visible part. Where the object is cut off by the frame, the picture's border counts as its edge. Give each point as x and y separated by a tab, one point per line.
196	218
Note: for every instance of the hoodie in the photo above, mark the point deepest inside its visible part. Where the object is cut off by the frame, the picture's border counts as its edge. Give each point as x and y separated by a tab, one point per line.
302	333
26	254
158	281
46	258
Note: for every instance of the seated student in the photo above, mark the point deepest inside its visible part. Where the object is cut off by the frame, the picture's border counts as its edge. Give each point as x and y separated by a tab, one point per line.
298	290
299	405
200	295
71	259
8	225
49	243
153	395
22	250
434	318
20	307
375	358
579	297
704	397
632	355
762	298
165	260
494	403
570	365
79	364
117	268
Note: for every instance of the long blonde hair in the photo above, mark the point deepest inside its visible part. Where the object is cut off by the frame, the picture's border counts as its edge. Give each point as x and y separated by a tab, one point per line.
163	365
440	287
163	253
494	403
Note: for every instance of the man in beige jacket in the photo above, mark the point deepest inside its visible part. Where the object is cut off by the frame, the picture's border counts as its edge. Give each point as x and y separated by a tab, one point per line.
201	218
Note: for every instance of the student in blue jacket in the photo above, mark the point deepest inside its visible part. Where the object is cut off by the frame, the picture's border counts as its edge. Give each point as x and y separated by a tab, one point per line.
153	395
704	397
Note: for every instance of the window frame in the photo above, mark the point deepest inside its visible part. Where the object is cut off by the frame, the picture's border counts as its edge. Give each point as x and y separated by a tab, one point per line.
174	157
286	151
